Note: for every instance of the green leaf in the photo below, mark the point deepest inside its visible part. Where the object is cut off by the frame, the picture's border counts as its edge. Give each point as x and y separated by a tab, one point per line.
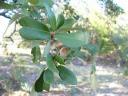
33	1
23	2
48	76
46	86
67	26
51	17
41	3
30	22
36	14
92	48
67	76
60	21
38	86
51	64
36	54
6	6
34	34
73	40
77	53
59	59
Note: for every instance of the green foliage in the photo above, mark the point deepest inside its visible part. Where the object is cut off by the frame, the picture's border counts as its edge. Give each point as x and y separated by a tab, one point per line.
51	18
59	59
33	1
120	42
66	75
51	29
103	27
40	24
51	64
125	73
42	3
46	86
117	39
67	25
112	8
125	53
36	54
92	48
6	6
33	34
39	83
73	40
33	29
29	22
48	76
24	2
60	21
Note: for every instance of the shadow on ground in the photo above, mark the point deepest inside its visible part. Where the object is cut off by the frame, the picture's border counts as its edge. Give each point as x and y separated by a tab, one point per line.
18	73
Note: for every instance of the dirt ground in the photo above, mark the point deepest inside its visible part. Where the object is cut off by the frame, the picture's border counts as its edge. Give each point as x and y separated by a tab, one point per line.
18	73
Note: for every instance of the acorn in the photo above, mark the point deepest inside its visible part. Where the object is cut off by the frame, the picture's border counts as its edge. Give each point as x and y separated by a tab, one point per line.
63	52
59	45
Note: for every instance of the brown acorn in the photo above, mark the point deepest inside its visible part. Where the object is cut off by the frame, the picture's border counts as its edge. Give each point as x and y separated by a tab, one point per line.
63	52
59	45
